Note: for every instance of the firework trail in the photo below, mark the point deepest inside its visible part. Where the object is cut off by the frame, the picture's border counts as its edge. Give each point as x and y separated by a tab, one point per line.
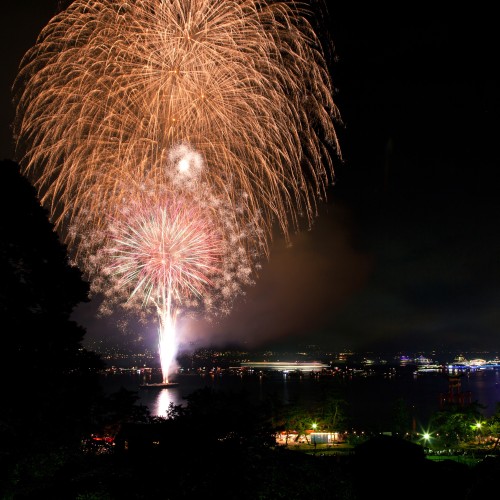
164	253
170	252
231	95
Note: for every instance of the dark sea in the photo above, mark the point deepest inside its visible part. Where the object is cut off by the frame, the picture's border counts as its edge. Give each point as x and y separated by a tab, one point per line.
370	394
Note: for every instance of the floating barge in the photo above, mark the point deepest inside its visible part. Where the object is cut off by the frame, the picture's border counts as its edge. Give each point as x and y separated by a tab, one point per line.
159	385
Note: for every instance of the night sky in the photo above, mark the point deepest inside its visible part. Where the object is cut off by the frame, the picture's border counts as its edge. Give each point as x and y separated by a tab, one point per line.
405	253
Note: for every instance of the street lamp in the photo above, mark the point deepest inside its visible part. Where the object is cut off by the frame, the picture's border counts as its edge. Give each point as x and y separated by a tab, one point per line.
426	438
478	426
314	426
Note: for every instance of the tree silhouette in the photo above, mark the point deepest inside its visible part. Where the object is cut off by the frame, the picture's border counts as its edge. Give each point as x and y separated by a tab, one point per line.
333	414
455	423
52	380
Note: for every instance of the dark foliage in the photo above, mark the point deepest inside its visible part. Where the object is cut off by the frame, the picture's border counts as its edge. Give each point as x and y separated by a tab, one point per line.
50	380
397	468
212	419
220	445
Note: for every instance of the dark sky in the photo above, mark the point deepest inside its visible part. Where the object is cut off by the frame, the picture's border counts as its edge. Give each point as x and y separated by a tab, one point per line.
405	254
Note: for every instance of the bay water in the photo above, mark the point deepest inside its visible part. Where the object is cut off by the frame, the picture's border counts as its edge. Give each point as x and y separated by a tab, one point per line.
370	395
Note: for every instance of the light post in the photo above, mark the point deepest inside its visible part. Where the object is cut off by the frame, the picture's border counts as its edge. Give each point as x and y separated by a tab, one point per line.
478	426
314	427
426	439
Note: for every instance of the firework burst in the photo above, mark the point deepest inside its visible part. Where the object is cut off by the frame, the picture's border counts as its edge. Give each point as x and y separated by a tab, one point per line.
170	253
111	87
229	99
163	254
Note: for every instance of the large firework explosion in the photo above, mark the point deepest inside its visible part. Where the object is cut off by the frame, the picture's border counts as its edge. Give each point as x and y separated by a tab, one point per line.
172	252
168	253
234	96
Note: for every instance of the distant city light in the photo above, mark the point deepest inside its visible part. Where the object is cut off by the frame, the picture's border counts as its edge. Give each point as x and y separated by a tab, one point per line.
305	366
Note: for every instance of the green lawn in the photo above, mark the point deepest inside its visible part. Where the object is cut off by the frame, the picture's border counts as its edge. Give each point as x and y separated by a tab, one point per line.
463	459
470	458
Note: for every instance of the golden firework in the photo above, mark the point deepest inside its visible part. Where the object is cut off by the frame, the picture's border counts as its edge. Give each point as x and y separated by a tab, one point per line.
167	138
111	87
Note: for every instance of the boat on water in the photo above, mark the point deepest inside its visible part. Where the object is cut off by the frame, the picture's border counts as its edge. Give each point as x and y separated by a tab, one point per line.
461	363
427	365
159	385
430	367
491	364
423	360
458	363
285	366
